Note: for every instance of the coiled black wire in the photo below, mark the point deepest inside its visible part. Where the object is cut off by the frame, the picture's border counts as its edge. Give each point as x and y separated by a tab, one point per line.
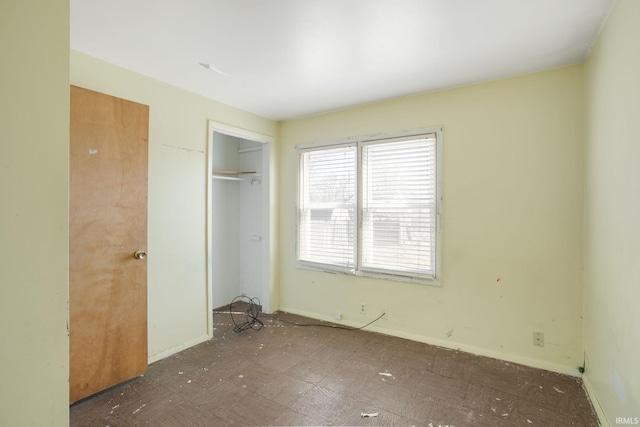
252	312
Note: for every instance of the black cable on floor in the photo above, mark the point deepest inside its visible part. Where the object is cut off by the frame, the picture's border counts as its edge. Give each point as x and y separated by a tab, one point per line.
252	312
329	325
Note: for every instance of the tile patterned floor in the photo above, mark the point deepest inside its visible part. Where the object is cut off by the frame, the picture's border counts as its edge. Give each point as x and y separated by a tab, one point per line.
285	375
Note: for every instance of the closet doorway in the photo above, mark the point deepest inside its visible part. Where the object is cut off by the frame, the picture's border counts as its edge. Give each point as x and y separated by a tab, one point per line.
238	216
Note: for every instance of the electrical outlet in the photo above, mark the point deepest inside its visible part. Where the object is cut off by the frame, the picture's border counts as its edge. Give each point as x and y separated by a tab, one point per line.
363	308
538	339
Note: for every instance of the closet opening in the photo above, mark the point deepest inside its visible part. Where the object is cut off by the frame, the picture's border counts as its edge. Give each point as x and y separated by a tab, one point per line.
238	218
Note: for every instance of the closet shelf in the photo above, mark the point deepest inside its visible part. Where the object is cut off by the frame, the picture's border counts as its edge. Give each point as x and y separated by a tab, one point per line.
237	175
220	172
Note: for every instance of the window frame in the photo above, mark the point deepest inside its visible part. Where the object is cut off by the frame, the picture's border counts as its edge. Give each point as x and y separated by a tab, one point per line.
358	269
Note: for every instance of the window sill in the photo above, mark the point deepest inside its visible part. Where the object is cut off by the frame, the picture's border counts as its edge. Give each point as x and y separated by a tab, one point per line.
324	268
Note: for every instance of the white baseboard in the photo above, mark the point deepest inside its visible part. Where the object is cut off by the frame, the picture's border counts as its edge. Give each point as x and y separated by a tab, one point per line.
534	363
594	401
178	349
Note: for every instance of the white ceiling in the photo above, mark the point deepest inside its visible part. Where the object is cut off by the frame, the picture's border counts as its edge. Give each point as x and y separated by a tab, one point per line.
283	59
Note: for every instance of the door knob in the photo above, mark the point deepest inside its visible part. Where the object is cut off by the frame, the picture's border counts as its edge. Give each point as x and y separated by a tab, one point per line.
140	255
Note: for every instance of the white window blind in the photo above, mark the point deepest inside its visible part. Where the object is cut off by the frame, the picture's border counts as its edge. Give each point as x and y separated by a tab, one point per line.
327	207
370	207
399	206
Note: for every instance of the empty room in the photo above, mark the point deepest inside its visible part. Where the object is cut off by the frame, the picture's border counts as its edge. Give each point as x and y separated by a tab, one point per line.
304	212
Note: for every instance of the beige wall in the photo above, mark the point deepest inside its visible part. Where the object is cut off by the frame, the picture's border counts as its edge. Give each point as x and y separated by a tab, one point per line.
177	195
512	221
34	117
612	215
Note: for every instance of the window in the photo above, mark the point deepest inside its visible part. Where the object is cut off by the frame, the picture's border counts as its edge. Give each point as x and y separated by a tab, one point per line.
370	206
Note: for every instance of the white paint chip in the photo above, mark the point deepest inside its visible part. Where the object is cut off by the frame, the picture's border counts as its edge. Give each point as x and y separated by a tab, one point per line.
138	410
93	151
558	390
368	414
386	374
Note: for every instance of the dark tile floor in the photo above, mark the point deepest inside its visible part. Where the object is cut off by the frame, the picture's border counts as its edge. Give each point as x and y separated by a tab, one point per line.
291	375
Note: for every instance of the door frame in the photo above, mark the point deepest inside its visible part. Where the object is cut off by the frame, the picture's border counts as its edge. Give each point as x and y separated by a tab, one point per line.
267	228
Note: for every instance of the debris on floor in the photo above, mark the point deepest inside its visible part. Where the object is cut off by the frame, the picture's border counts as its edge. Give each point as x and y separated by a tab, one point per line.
368	414
386	374
138	410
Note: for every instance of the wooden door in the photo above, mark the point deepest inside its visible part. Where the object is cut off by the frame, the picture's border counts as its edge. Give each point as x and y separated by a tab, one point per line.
107	226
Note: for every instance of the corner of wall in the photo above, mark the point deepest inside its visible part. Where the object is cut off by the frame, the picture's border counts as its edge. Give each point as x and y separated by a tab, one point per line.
610	222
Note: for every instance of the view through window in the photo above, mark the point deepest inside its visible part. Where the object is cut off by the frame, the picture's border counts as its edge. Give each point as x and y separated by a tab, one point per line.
370	207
